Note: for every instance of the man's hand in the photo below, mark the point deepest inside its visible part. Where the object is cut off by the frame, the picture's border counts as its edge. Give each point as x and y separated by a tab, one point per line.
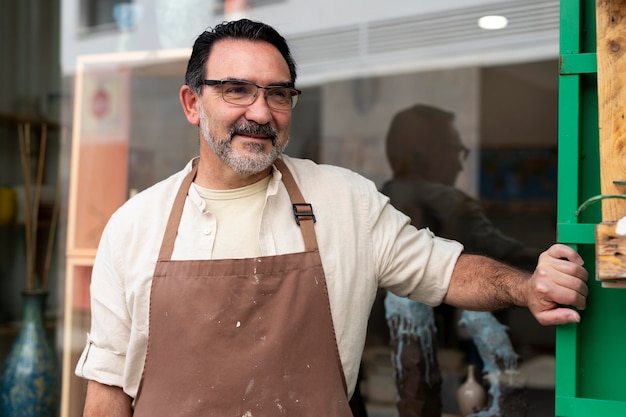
559	280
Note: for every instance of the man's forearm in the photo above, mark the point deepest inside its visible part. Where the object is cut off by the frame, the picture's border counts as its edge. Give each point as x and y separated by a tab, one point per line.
480	283
557	283
106	401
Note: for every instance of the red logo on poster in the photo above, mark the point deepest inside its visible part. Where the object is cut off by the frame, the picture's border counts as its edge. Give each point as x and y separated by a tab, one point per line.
100	103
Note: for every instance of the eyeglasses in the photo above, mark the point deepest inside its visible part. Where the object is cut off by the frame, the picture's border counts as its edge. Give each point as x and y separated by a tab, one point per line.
244	93
463	153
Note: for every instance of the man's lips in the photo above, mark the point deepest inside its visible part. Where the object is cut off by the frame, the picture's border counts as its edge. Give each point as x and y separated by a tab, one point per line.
254	137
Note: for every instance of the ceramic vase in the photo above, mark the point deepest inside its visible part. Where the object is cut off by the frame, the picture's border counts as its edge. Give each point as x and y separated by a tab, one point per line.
471	396
28	385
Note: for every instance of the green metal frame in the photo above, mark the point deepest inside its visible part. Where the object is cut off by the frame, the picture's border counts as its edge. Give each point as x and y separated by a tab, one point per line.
591	364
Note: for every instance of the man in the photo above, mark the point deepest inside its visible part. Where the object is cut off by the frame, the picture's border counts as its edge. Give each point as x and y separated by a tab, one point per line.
426	155
208	293
425	152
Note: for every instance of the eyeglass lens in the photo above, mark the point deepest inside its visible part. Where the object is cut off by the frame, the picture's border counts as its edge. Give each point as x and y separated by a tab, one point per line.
244	93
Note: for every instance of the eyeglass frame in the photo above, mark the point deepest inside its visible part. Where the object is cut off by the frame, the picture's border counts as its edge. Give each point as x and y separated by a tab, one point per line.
464	152
288	86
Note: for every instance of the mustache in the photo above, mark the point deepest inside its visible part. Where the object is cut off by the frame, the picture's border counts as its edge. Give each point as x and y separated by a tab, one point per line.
254	129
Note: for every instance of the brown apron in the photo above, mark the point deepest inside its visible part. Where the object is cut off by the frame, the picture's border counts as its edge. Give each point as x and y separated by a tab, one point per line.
242	337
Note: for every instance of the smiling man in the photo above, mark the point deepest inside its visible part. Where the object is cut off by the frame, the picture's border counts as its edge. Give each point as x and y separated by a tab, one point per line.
242	285
246	126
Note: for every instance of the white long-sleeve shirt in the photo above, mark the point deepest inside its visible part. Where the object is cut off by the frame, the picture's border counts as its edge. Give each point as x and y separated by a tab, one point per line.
364	244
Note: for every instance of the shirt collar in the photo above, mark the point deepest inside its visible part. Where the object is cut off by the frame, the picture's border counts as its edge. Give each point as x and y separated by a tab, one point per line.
272	188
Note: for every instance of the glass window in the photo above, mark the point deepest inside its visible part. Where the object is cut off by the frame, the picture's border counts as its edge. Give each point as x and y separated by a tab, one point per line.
98	15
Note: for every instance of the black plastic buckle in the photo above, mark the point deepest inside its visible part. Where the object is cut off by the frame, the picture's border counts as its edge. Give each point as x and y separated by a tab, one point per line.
298	211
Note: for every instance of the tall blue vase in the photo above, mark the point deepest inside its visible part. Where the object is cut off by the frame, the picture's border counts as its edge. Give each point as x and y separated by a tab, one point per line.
28	386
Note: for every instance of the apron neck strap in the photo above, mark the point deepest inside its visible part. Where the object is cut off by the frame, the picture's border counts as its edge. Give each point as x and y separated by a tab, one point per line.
303	211
171	230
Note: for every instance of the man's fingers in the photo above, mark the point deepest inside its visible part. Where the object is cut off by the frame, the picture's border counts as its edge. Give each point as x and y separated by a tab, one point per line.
572	269
560	251
559	283
575	282
554	288
556	316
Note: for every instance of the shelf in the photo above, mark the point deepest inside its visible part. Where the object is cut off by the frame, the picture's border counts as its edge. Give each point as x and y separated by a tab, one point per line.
12	224
15	119
12	329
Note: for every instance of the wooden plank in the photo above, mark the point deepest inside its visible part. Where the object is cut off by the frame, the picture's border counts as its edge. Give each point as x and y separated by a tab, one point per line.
618	283
610	255
611	58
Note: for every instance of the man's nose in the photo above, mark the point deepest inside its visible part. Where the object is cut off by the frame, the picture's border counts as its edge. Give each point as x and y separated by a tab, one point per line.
259	111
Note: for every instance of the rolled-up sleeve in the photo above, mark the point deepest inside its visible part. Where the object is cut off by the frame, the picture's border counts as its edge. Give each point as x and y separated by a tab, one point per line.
103	358
100	365
413	263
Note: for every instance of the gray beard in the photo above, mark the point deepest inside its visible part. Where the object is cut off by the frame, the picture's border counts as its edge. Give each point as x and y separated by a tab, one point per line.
255	161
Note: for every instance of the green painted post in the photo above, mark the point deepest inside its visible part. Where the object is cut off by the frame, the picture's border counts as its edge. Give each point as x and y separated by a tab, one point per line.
591	364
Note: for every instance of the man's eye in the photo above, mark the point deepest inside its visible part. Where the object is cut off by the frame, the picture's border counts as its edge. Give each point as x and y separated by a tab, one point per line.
279	93
237	89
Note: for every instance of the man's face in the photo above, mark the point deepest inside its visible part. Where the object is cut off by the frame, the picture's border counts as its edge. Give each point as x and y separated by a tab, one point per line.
448	158
246	138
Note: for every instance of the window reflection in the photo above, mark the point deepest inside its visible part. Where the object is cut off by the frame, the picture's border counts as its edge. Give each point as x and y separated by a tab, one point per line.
97	15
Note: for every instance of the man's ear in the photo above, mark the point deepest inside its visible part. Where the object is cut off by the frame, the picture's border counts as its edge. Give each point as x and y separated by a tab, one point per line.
189	102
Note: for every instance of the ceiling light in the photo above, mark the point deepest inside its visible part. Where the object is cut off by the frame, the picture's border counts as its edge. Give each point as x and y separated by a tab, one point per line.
493	22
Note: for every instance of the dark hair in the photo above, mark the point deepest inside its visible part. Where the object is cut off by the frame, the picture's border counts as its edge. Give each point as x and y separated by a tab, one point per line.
243	29
414	136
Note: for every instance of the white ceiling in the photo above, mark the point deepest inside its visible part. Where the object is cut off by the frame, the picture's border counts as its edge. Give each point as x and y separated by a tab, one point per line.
428	41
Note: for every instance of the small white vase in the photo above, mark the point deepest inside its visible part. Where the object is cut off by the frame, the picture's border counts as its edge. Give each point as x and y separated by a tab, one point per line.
471	396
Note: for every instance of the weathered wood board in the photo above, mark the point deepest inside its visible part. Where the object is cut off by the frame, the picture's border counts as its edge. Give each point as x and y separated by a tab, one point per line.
611	58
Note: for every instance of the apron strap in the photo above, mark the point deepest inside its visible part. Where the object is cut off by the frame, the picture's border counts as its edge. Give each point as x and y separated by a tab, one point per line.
171	230
301	210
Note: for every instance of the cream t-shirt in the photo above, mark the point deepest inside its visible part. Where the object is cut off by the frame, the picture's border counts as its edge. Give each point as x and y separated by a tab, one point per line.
237	214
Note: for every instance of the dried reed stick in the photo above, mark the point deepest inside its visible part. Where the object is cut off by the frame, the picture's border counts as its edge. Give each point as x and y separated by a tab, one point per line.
39	180
24	139
53	225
